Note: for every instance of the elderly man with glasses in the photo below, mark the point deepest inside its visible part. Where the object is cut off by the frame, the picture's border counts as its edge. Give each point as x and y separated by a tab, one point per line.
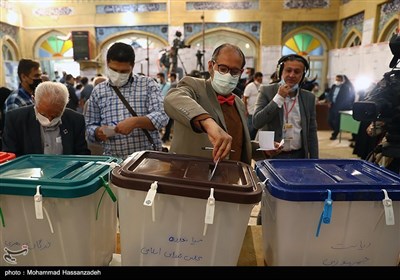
210	121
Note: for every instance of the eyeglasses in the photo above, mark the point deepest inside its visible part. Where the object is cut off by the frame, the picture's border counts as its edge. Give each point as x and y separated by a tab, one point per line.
223	69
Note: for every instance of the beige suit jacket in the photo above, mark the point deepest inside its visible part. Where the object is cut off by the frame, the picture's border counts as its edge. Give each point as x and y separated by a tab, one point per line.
191	98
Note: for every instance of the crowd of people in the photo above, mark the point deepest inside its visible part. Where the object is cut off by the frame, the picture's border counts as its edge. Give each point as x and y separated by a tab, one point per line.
124	112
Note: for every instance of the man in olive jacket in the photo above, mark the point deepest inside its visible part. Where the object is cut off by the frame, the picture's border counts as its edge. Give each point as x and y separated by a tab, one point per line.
207	114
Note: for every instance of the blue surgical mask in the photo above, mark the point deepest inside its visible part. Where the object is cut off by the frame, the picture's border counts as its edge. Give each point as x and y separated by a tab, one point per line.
224	84
294	88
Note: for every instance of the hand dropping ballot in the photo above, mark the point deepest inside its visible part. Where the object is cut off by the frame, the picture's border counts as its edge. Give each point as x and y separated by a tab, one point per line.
266	140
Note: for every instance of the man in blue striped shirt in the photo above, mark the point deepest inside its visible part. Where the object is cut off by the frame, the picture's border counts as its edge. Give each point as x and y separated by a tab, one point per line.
109	122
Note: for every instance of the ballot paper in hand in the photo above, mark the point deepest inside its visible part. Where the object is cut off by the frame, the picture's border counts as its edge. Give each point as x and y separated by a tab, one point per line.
109	131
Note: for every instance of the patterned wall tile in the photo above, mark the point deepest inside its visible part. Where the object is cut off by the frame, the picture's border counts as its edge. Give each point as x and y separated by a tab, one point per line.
326	28
349	23
104	32
305	4
134	8
215	5
387	11
252	28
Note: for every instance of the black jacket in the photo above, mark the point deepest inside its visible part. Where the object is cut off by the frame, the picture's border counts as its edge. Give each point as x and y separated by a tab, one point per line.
22	133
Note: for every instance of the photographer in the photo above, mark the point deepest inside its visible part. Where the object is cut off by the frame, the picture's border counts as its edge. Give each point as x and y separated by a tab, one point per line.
163	62
176	45
382	108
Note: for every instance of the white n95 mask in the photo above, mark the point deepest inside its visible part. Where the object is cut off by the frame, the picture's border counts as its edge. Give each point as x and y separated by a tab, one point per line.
224	84
45	121
118	79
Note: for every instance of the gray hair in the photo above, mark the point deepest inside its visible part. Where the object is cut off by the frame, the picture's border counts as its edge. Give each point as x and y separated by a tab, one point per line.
55	92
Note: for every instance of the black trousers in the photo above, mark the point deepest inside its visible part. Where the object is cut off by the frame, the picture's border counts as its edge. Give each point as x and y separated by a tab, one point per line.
167	133
291	154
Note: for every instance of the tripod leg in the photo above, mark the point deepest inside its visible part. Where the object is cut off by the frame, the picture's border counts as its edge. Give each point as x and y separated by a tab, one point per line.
183	66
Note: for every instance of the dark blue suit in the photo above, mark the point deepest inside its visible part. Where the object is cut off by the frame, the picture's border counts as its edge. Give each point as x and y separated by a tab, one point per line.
344	101
22	133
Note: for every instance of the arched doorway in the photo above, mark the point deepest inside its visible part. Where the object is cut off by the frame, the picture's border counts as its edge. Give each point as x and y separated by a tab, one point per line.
353	39
218	36
54	51
391	28
147	49
10	62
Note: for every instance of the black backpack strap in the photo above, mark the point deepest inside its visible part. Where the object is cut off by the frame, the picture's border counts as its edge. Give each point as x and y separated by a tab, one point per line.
130	109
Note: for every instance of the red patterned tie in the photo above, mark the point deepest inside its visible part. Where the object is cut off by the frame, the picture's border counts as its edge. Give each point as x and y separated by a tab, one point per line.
229	100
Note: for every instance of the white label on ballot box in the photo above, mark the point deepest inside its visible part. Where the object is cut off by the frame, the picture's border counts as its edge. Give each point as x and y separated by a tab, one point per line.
388	206
210	207
38	204
148	201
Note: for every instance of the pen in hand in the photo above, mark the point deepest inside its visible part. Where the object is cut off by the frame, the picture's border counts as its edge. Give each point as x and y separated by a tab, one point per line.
211	148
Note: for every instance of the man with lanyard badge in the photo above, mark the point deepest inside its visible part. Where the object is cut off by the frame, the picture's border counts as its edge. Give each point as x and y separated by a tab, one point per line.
289	111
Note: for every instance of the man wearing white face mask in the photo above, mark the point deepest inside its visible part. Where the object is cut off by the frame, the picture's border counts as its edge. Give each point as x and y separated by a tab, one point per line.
108	120
207	114
340	98
46	127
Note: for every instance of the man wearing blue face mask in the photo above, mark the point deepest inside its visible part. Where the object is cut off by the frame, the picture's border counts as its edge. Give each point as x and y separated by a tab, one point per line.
288	110
46	127
109	121
207	114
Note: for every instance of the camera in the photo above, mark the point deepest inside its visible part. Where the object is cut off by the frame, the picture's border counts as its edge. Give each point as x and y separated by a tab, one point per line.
178	43
382	107
382	103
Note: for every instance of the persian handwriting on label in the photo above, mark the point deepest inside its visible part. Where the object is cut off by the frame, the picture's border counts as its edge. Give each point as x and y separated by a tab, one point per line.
336	262
191	241
169	254
39	244
360	245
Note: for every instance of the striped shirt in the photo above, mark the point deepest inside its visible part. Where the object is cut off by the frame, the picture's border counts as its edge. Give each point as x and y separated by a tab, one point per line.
105	108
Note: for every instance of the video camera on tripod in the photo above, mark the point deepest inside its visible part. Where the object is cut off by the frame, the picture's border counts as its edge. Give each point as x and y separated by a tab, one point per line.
178	43
382	103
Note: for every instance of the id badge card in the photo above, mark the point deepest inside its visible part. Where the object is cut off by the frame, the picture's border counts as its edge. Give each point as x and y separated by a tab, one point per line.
287	131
